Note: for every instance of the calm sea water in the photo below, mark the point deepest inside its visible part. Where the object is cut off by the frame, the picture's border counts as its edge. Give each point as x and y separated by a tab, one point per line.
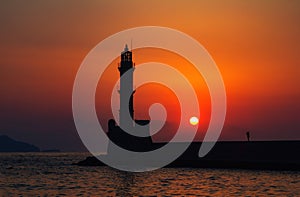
51	174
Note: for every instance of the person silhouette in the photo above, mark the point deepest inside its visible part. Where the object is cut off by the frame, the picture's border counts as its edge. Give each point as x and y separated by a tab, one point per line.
248	135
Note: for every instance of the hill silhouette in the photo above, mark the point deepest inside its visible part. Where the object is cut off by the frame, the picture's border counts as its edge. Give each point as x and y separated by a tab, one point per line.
8	144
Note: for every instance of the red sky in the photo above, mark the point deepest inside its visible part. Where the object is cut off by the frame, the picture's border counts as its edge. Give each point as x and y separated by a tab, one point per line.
255	44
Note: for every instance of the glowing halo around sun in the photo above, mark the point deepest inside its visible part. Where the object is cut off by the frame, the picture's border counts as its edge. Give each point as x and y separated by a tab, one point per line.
194	120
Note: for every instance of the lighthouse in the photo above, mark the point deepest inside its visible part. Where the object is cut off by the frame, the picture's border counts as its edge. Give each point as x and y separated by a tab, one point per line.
126	90
117	133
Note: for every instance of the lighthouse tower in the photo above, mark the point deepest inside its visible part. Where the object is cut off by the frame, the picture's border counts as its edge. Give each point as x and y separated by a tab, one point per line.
116	133
126	90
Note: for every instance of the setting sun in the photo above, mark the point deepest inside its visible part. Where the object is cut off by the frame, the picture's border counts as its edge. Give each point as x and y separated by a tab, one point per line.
194	120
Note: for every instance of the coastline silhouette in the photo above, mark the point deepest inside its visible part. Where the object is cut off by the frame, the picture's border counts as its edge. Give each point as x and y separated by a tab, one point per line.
8	144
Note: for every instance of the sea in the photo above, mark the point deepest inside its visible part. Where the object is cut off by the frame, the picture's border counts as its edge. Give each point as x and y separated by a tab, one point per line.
52	174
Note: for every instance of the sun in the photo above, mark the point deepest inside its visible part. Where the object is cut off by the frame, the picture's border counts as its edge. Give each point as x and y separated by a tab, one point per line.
194	120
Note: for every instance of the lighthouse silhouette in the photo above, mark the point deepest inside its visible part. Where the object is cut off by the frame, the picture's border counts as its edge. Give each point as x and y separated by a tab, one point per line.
127	121
126	89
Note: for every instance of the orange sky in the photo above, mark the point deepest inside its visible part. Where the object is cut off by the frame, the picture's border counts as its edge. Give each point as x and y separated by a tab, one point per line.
154	93
256	45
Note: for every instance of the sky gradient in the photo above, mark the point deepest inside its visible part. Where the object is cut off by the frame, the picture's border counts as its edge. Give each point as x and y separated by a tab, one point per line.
255	44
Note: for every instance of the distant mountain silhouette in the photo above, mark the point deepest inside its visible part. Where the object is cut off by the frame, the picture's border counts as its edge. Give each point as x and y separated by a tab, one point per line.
8	144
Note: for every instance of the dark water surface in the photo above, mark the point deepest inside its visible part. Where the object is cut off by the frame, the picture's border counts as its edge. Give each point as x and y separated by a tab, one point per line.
51	174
